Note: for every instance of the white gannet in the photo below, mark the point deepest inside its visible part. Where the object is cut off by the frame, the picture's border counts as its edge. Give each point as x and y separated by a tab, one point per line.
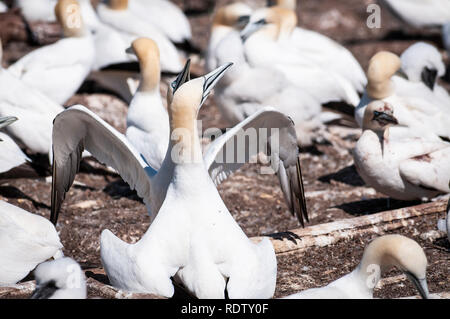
412	110
444	224
11	155
193	238
147	119
269	40
59	279
117	15
37	10
77	122
3	7
246	89
397	161
325	51
174	25
26	240
420	13
380	255
35	110
229	18
59	69
422	64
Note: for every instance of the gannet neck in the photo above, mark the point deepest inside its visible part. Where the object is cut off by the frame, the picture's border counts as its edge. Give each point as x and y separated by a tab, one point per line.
184	144
288	4
382	66
232	15
68	14
285	20
149	60
392	250
118	4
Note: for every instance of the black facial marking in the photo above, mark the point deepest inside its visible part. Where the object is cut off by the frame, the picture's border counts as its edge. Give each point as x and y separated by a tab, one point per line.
45	291
429	77
242	20
384	118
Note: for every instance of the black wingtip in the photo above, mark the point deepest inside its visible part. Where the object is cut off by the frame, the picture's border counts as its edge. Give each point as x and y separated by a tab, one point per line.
302	199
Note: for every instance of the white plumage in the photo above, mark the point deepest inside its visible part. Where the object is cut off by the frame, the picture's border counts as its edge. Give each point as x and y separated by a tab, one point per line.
26	240
382	253
125	21
59	69
420	13
397	161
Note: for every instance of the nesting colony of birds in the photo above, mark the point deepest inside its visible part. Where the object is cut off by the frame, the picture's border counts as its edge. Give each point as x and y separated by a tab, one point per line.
224	149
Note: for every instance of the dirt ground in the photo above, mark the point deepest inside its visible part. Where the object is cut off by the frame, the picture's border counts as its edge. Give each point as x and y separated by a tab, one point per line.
101	200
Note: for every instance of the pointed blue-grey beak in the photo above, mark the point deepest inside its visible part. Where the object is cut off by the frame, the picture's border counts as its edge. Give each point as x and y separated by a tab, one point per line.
212	78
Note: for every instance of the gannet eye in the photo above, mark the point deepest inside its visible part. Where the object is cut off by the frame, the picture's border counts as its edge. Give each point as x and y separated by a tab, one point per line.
261	22
243	19
173	84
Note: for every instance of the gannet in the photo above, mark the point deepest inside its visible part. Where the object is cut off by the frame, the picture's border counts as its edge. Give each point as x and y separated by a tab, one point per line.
194	237
147	119
270	40
246	89
325	51
77	123
230	18
3	7
396	160
26	240
380	255
11	155
59	69
59	279
412	110
35	110
288	4
420	13
422	64
117	15
37	10
444	224
174	25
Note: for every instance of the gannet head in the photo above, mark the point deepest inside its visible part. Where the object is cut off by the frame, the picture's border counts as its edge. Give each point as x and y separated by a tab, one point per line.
235	15
59	279
7	120
274	23
183	77
147	52
401	252
378	116
422	62
382	66
118	4
188	97
288	4
68	14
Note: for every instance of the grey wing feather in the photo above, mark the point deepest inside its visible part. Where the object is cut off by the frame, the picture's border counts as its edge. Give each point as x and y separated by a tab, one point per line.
77	129
283	150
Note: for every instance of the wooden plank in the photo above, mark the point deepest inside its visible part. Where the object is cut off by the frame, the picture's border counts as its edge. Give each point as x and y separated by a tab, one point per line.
327	234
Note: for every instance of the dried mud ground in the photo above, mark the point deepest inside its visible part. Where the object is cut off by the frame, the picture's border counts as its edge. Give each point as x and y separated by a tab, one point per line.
101	200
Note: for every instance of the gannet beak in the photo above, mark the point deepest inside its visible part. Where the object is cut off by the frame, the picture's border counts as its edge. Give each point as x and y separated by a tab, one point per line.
7	120
183	77
212	78
421	285
250	29
44	291
384	118
130	51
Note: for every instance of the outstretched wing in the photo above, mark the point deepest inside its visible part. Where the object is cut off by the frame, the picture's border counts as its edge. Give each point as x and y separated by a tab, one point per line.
272	133
77	129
